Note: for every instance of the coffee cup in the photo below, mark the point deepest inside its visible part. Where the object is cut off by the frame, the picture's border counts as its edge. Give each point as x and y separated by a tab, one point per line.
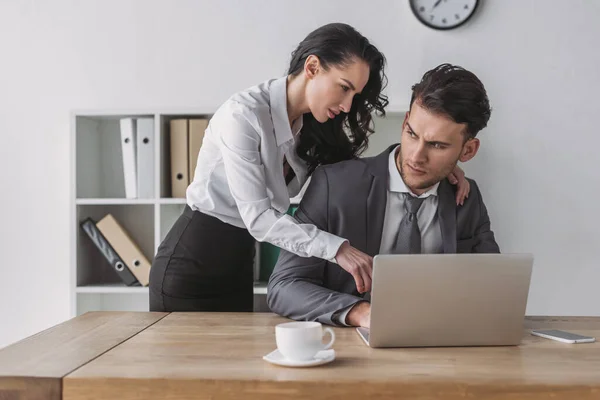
302	340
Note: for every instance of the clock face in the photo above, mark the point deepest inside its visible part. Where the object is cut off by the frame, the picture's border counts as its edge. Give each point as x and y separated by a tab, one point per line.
443	14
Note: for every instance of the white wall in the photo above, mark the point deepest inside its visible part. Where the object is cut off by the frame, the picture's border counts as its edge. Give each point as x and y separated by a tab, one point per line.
538	59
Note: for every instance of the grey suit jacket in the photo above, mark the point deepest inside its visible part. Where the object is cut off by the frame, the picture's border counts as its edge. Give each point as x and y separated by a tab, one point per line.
349	199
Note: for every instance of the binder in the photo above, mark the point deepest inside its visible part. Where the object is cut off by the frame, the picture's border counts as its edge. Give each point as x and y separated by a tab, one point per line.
197	128
108	252
126	248
128	145
145	158
179	157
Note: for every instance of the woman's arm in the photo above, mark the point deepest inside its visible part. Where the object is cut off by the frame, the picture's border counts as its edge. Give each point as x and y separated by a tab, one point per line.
246	178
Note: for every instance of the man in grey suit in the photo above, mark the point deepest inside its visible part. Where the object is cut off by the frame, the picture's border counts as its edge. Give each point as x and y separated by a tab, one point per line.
398	202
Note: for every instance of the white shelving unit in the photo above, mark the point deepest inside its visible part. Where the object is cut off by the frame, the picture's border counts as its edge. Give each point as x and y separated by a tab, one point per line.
98	189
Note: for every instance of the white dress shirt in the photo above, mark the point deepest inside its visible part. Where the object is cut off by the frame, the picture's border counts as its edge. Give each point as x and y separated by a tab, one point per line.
239	176
427	219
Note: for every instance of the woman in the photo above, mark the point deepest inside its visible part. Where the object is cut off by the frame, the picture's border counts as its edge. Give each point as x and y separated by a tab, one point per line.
258	151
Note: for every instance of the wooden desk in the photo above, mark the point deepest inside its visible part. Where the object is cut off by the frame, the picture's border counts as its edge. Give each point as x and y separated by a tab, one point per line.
206	355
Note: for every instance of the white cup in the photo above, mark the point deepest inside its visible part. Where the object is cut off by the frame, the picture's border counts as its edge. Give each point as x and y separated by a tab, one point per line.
300	341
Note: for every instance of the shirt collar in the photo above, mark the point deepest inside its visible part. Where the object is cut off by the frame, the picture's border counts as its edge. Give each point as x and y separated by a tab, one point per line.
396	183
279	114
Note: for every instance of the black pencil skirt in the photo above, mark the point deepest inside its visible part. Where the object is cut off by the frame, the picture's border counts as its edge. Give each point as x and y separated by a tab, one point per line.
203	264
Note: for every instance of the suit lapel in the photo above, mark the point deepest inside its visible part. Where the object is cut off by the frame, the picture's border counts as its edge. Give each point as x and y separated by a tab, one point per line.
376	203
447	216
377	200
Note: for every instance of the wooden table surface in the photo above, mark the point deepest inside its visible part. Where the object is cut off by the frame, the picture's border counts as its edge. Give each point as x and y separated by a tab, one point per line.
219	355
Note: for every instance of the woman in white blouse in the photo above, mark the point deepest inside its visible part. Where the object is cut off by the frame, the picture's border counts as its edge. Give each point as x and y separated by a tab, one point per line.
259	149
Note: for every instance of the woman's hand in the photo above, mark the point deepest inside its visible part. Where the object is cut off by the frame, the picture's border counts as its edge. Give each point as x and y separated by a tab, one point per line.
358	264
457	177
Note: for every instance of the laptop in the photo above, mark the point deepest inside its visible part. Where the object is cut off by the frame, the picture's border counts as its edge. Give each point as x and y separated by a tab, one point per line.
435	300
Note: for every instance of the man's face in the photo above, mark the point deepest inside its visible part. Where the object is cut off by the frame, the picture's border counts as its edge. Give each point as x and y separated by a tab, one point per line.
431	146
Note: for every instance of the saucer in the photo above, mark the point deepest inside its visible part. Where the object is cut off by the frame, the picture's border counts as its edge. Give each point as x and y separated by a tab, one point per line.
322	357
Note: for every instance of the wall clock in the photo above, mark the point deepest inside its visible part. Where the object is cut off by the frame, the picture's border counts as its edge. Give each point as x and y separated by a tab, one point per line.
443	14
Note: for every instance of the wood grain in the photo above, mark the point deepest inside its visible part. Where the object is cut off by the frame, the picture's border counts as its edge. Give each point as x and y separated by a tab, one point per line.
206	355
34	367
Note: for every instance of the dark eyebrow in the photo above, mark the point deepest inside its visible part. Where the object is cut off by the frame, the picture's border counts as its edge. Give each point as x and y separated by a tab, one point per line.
349	83
410	127
434	142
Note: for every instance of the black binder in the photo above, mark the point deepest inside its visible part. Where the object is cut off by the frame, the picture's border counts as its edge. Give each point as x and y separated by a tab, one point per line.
89	226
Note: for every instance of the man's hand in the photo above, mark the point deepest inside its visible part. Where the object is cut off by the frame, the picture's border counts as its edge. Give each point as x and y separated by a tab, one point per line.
358	264
360	315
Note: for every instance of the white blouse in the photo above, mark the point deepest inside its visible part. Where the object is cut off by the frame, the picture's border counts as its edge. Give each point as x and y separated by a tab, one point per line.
239	176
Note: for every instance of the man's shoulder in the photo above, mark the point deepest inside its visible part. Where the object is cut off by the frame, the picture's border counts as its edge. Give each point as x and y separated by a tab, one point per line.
355	173
474	187
353	166
475	199
343	176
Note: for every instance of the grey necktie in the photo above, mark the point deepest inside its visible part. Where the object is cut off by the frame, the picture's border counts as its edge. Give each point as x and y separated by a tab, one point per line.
408	240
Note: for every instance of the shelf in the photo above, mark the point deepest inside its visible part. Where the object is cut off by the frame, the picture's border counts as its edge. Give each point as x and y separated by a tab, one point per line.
112	288
393	107
118	201
168	200
107	201
259	288
118	113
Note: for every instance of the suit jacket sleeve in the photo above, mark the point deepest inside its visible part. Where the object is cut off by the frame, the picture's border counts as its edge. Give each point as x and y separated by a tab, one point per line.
485	241
297	285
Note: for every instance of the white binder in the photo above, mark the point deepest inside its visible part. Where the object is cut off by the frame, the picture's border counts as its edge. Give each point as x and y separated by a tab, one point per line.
145	158
128	145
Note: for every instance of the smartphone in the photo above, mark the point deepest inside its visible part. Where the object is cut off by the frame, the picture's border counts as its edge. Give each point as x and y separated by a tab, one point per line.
562	336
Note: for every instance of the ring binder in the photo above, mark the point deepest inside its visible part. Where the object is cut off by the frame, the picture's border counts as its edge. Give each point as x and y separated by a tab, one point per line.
89	226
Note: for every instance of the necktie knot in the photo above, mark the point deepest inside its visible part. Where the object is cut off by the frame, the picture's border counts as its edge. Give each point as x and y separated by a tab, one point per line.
413	204
408	240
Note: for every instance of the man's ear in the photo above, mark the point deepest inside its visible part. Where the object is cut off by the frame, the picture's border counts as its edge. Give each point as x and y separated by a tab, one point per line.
469	149
312	66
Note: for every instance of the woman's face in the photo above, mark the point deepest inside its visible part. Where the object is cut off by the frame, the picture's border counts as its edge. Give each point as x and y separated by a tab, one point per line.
331	91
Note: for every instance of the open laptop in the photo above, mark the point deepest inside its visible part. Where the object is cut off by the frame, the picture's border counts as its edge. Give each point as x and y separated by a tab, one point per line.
431	300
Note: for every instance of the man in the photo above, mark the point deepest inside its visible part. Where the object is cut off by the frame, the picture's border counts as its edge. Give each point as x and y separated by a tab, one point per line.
398	202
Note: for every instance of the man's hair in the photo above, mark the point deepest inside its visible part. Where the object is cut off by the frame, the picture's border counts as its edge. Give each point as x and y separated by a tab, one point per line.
453	91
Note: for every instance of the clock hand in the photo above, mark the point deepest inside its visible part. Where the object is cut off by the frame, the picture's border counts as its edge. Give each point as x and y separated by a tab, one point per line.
437	3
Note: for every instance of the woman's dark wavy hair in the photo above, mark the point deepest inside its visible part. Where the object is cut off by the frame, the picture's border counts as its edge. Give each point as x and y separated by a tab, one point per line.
345	136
